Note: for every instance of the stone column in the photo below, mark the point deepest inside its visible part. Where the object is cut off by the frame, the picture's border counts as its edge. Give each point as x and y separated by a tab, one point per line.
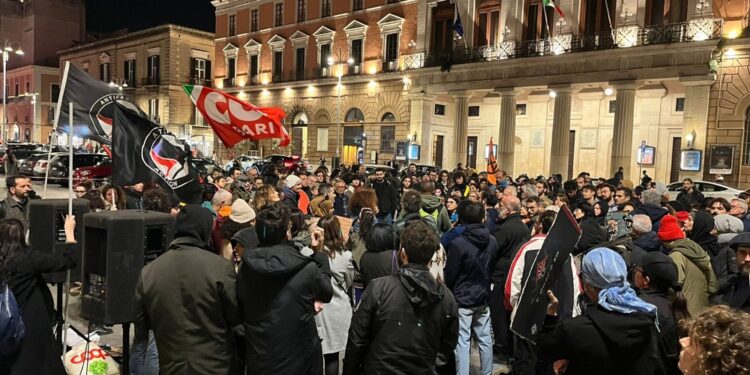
421	108
560	131
695	117
461	126
506	140
622	136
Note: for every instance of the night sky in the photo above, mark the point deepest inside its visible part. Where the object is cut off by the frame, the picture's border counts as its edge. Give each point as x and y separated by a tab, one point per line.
110	15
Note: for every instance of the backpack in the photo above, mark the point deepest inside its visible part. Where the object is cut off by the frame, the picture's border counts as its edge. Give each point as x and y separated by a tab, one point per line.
435	213
12	329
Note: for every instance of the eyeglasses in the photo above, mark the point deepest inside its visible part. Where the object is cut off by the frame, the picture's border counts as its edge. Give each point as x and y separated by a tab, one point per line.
80	191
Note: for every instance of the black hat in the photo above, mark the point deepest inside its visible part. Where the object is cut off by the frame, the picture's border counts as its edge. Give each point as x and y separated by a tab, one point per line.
657	266
678	206
740	239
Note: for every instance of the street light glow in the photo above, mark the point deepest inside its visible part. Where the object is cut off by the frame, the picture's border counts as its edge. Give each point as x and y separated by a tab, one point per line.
330	61
608	91
19	52
552	94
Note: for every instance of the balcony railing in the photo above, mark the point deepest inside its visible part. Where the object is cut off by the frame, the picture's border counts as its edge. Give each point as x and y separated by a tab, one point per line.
624	37
201	81
229	82
150	81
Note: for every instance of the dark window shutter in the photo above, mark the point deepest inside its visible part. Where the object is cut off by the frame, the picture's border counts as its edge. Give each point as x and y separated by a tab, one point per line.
193	73
208	70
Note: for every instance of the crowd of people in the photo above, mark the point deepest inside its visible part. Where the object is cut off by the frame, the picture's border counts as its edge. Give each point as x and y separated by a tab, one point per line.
330	272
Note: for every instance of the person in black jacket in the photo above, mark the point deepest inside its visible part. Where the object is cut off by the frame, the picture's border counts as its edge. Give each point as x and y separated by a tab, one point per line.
471	260
381	255
510	235
738	296
690	196
279	290
406	323
22	268
134	197
387	193
615	335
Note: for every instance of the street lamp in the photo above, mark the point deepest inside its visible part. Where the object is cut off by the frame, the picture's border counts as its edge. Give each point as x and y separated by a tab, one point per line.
331	62
6	51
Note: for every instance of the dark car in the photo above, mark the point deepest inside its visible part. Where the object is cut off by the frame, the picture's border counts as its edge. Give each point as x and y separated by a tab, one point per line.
287	162
98	173
59	165
26	166
20	151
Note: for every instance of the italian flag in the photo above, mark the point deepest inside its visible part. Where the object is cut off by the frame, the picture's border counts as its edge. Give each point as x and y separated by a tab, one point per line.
551	3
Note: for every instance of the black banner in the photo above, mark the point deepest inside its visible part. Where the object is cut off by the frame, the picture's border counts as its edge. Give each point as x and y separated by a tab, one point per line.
546	269
93	105
143	151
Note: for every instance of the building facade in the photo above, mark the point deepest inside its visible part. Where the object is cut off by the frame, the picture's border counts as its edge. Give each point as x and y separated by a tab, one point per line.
151	66
39	28
589	87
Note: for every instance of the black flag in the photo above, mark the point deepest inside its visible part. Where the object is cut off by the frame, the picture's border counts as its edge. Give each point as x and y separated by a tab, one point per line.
143	151
546	269
93	105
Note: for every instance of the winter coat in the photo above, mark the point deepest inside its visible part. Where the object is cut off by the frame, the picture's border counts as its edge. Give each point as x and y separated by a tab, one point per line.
592	234
341	205
602	342
491	219
648	242
39	352
321	206
510	235
738	295
722	257
17	210
452	234
471	260
387	197
694	273
378	264
333	321
431	203
134	200
688	199
405	324
655	213
291	198
276	287
669	335
188	297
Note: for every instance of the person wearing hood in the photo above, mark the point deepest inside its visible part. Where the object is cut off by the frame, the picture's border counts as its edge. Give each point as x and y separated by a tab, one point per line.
460	186
601	208
291	190
278	290
651	207
617	332
433	205
471	260
726	227
694	271
187	296
643	236
386	335
655	277
738	295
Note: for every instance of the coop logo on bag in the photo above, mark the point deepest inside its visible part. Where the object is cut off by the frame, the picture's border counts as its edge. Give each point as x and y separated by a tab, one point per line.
92	354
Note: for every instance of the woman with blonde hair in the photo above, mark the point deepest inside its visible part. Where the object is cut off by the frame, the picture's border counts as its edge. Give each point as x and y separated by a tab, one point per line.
265	196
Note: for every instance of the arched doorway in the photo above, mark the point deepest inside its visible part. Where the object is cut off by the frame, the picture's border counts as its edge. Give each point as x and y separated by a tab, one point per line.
299	134
353	130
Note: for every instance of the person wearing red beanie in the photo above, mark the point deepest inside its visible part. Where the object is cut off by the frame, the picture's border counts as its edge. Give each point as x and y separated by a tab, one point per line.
694	270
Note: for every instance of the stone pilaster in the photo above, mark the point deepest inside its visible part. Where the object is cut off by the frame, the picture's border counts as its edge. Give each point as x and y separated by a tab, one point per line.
506	138
695	117
420	117
561	131
461	129
622	137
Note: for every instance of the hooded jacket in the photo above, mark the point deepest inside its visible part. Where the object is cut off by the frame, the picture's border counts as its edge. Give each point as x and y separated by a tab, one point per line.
187	296
277	287
602	342
431	203
387	194
655	213
405	324
471	260
694	273
648	242
722	257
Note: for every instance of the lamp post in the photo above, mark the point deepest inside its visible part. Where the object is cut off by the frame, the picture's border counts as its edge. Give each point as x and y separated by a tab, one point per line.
331	61
6	51
33	117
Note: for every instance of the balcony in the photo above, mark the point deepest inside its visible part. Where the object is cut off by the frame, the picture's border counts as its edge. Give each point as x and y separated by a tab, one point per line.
150	81
625	37
201	81
229	82
390	66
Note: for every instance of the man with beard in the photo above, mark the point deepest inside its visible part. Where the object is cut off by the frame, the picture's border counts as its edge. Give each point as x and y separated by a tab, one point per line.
739	295
689	195
607	192
387	197
15	205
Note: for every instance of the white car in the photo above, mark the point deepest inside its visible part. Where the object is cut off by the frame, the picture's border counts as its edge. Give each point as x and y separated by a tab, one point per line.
246	162
708	188
40	168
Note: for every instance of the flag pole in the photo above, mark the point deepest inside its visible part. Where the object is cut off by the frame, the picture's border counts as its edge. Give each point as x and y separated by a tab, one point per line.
546	24
54	126
70	213
609	18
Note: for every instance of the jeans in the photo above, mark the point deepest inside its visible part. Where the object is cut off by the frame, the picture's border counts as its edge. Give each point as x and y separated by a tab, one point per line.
386	219
144	359
474	320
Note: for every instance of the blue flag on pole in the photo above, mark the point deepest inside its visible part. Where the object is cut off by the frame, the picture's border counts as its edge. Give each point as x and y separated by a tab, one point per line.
457	26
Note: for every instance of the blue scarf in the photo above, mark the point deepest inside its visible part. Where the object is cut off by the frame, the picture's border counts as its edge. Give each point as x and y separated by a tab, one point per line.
605	269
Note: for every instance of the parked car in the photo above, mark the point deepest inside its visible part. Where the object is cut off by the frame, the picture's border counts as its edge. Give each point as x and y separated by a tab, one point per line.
288	162
59	165
371	168
708	188
26	166
245	161
40	168
421	169
97	173
203	166
20	151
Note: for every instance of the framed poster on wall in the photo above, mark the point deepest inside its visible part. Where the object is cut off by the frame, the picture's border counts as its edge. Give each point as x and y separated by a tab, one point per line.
401	151
721	159
646	155
690	160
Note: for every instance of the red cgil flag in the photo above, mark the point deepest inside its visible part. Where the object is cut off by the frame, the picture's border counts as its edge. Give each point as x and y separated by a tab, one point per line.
234	120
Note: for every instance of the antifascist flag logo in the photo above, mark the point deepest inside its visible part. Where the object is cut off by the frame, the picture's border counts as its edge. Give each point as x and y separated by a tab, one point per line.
165	155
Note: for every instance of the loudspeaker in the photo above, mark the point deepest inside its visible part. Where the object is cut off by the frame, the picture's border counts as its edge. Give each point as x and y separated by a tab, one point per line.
47	232
116	246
